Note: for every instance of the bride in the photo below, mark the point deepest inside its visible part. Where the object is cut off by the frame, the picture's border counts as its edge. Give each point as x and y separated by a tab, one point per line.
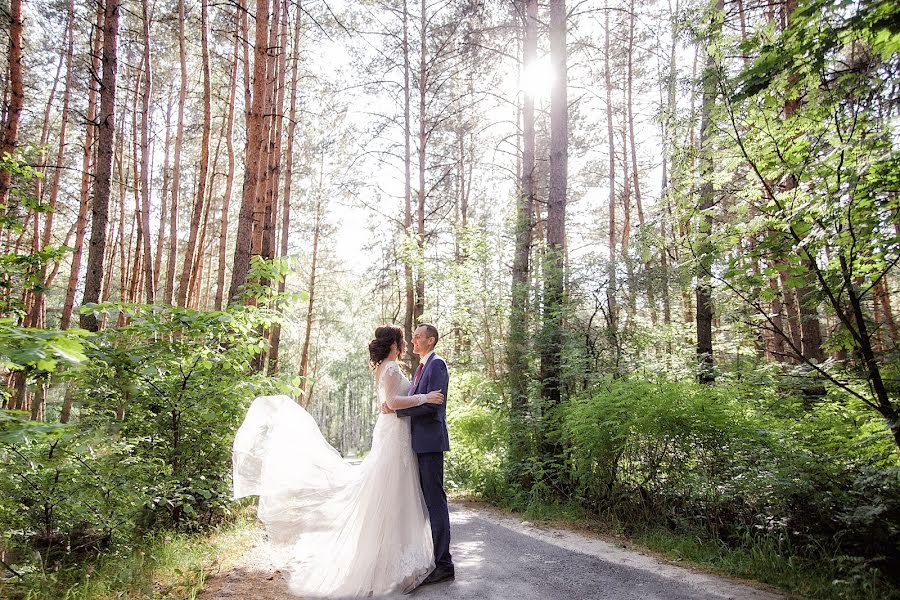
338	529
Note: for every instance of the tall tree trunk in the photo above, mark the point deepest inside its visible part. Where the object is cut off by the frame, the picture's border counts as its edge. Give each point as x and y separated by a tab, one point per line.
288	179
13	109
134	185
125	243
229	182
631	295
554	269
39	401
635	174
882	297
164	194
612	284
705	372
149	289
103	173
86	164
37	317
276	94
310	305
172	258
192	299
668	175
263	244
687	299
256	141
777	342
517	347
68	400
197	212
423	140
409	315
810	329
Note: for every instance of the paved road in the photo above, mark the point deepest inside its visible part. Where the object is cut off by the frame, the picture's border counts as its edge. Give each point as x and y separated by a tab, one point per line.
499	557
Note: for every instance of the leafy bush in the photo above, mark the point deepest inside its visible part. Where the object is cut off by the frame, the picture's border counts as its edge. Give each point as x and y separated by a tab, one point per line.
720	459
478	435
175	382
747	467
158	400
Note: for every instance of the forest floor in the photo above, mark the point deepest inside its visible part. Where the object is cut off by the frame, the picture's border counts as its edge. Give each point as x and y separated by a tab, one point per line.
500	556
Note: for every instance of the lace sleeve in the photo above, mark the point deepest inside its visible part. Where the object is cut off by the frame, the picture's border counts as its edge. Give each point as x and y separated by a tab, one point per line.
395	394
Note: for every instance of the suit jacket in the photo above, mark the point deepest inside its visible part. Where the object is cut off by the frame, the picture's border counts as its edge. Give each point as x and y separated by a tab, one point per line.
428	422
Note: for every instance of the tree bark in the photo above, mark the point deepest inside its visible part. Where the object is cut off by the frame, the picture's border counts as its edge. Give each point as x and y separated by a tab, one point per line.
409	315
612	284
37	317
190	251
146	158
554	269
103	173
668	174
423	140
705	373
255	152
882	297
777	342
518	319
635	174
275	344
86	163
229	182
276	123
13	109
164	194
310	305
172	258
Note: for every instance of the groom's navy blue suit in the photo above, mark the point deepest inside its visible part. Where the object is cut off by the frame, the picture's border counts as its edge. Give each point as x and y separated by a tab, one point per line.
428	423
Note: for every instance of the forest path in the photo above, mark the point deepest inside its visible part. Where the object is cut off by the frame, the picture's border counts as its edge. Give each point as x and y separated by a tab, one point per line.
499	556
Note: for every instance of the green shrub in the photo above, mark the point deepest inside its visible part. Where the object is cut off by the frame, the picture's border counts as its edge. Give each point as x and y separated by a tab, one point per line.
478	435
736	460
158	401
175	383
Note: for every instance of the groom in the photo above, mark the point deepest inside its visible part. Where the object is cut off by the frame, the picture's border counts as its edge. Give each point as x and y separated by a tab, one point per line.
428	424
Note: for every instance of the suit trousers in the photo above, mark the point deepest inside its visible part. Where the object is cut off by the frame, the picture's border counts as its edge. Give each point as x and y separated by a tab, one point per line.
431	476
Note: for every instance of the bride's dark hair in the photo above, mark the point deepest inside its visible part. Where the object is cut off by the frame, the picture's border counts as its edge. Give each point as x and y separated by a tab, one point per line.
380	347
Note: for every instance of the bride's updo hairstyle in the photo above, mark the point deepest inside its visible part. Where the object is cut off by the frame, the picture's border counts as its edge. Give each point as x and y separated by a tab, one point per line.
380	347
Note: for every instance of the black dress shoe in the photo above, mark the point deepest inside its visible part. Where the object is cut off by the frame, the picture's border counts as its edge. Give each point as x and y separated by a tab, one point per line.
438	575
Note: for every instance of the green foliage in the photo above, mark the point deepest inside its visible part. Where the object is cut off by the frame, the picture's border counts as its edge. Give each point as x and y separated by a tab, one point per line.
176	383
717	458
478	435
811	197
40	353
21	270
163	565
159	398
770	560
751	473
819	31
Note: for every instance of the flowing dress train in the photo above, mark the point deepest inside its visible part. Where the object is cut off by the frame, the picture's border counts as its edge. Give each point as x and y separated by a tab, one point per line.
339	530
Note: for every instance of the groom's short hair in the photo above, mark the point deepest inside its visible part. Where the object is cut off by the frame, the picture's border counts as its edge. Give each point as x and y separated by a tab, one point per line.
432	331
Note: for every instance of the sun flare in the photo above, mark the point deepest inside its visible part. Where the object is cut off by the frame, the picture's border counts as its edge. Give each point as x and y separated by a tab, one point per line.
537	79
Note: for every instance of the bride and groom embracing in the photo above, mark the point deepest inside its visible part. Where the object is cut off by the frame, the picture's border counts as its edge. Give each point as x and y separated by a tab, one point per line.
341	530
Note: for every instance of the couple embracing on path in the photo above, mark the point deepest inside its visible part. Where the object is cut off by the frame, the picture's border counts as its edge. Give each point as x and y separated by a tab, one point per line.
354	531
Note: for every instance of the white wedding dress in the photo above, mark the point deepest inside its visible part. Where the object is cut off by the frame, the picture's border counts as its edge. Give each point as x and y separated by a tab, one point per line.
338	530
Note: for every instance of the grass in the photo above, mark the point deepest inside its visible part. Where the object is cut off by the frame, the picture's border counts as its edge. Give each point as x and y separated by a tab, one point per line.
763	559
766	560
166	566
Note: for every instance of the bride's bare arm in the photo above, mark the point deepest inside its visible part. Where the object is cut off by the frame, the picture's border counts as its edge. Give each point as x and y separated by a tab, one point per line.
394	383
